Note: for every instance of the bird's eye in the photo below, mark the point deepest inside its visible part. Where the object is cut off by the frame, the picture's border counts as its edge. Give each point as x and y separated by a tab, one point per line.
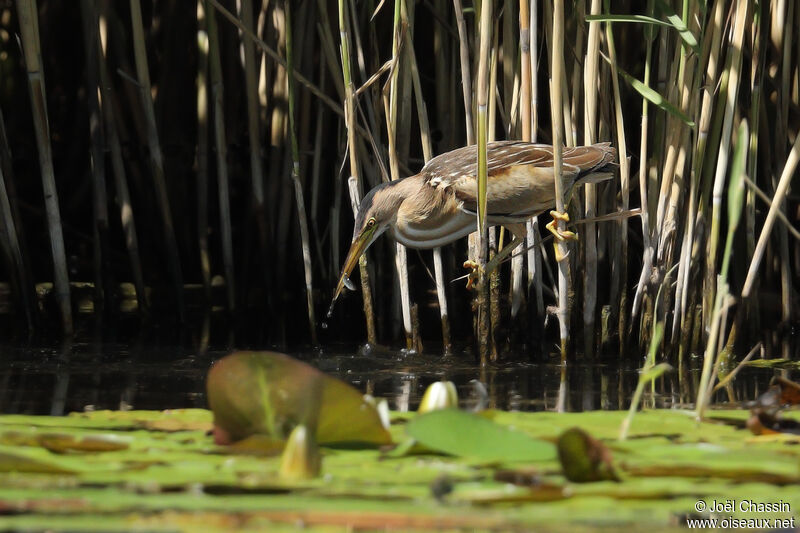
370	222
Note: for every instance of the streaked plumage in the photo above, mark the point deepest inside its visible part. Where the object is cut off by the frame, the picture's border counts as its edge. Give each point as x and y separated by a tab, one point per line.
439	205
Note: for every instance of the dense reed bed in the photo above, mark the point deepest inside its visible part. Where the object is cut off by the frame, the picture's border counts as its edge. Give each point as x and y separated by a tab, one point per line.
227	144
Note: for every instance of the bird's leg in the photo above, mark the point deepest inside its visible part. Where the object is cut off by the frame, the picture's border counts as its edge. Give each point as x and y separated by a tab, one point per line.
560	235
518	231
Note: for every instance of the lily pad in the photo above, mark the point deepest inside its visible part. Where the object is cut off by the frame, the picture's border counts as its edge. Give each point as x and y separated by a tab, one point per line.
180	481
269	393
469	435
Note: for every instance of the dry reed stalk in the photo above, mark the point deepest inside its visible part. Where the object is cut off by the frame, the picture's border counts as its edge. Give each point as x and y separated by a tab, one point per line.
734	67
156	158
298	186
689	105
401	259
254	134
624	173
533	237
369	310
466	77
528	114
756	89
495	242
781	138
220	143
403	87
710	58
371	97
708	182
510	74
277	156
670	161
777	200
534	46
201	153
264	72
352	149
591	84
648	251
714	356
316	171
102	288
571	104
525	116
556	97
689	87
11	234
312	88
512	127
482	83
525	69
441	54
427	154
404	118
118	170
29	28
329	48
761	195
493	104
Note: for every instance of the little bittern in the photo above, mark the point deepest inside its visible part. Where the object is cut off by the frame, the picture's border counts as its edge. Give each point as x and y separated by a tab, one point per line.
439	205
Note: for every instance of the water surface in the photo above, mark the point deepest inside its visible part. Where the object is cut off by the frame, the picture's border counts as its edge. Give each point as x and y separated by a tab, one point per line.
81	376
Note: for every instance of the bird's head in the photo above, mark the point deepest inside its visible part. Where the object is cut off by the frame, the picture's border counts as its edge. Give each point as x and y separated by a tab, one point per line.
376	213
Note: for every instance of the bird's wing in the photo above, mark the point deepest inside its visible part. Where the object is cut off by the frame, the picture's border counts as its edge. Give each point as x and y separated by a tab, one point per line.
520	174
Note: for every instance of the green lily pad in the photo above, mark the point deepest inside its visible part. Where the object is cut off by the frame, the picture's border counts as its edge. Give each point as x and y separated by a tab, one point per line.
269	393
469	435
178	480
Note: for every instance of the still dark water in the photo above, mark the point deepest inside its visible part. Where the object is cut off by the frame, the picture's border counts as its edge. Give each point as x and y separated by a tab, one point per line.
80	376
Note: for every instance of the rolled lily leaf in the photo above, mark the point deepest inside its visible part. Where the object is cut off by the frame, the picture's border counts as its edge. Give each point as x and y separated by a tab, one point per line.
269	393
583	458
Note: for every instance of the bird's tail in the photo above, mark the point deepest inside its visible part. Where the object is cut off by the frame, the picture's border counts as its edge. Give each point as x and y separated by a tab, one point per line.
604	170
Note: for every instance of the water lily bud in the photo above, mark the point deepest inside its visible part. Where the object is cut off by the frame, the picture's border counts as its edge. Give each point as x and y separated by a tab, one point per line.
383	413
381	407
439	395
301	458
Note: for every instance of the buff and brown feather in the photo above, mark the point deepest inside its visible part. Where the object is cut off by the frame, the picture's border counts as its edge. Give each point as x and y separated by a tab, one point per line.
438	205
520	174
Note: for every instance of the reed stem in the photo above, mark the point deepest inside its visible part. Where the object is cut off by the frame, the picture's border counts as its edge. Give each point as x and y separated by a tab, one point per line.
556	102
156	159
29	28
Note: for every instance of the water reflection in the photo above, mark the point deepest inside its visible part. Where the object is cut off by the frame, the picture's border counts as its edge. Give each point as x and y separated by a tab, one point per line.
75	377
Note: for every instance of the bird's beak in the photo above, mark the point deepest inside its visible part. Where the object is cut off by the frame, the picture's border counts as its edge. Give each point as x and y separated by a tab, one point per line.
357	249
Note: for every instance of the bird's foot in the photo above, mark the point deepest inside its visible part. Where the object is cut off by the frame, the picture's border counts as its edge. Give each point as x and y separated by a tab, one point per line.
473	278
560	235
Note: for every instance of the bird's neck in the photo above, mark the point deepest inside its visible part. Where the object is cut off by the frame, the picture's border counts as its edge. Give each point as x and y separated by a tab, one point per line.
407	187
423	203
402	189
